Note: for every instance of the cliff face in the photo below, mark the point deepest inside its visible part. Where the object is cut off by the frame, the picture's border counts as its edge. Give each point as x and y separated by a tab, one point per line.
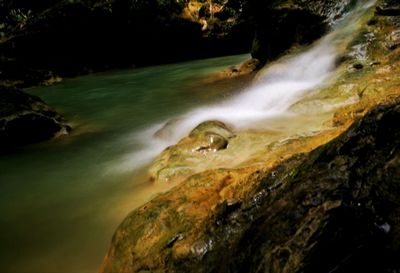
327	201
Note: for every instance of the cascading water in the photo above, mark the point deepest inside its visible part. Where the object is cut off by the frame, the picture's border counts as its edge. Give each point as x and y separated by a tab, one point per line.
278	86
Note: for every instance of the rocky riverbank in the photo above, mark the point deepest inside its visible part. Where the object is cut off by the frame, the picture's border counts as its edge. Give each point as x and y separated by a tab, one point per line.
26	119
325	200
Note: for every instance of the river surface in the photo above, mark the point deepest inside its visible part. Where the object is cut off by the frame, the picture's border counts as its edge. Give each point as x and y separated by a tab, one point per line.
61	201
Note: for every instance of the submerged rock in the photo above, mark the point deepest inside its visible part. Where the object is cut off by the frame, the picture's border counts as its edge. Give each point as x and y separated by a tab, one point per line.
26	119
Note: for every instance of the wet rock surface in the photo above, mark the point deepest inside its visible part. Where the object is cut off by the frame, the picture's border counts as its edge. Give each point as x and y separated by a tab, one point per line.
333	209
208	139
26	119
327	201
336	208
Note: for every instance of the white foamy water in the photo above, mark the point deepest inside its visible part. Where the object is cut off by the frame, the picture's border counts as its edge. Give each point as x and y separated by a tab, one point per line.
278	86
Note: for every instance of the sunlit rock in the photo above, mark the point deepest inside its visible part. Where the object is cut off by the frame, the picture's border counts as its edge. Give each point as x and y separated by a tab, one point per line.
326	200
314	211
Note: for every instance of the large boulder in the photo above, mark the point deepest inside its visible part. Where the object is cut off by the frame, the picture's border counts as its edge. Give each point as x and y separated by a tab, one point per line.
26	119
336	208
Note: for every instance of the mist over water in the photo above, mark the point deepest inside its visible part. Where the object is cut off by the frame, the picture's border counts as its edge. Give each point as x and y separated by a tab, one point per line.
278	86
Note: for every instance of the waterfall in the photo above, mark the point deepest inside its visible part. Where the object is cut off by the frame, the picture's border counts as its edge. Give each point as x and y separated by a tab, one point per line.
278	86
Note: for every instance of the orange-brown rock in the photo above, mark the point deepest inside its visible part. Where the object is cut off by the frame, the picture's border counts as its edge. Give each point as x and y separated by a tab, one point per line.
322	199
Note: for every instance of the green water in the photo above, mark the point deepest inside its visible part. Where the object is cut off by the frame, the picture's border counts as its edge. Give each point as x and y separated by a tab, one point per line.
60	201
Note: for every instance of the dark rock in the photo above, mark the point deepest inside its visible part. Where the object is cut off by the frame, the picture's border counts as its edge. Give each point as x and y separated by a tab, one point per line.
281	29
372	21
335	209
358	66
388	11
26	119
281	24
